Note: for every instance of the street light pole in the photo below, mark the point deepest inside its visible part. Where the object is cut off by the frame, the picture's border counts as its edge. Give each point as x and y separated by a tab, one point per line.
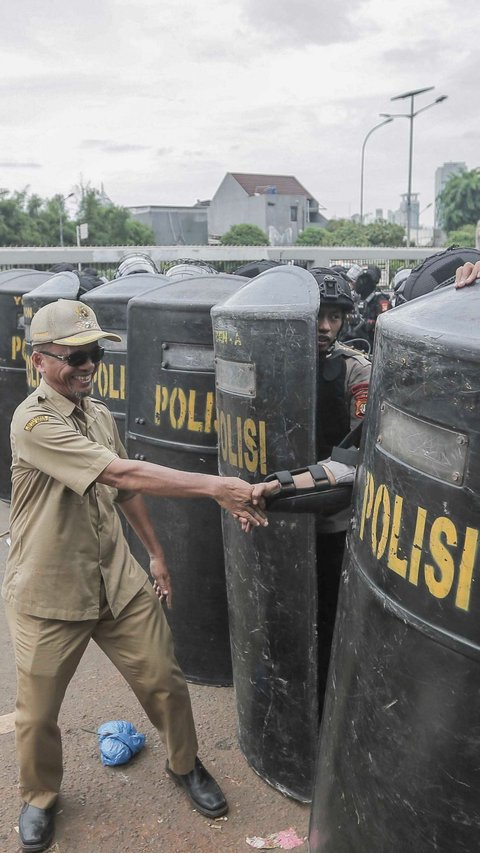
411	115
387	121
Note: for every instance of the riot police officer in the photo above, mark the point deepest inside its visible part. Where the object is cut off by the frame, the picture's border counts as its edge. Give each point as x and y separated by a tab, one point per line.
372	303
343	380
343	372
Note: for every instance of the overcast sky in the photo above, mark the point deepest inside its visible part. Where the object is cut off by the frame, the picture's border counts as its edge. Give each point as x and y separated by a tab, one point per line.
158	99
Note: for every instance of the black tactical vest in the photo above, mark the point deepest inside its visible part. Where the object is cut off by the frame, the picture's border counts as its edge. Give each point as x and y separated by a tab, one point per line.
333	408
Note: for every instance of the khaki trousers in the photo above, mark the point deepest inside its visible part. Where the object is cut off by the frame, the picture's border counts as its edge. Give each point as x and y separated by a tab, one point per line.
47	653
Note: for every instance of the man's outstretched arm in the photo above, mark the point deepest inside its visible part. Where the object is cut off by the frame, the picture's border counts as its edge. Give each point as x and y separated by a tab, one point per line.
233	494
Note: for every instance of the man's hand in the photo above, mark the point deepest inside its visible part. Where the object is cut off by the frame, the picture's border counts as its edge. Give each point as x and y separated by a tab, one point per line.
467	274
259	492
242	500
162	585
337	473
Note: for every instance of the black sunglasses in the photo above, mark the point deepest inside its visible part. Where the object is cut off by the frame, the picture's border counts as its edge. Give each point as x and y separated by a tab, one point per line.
79	357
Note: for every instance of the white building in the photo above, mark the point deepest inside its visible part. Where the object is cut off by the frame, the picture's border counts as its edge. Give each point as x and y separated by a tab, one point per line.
278	204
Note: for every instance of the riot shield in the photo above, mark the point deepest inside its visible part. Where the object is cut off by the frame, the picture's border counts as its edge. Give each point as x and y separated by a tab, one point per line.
398	753
266	363
14	284
110	302
171	421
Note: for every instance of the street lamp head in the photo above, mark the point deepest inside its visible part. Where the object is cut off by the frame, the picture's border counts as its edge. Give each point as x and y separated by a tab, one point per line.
440	99
412	93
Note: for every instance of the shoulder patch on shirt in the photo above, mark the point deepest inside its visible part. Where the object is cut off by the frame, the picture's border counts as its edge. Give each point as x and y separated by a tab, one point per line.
360	395
38	419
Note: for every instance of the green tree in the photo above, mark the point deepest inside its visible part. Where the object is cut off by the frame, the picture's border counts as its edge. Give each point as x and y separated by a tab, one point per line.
244	235
312	235
459	203
29	220
16	229
33	221
109	225
464	236
382	233
345	232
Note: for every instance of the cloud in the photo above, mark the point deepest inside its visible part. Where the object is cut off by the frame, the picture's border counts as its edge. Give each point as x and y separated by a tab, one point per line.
309	22
17	165
112	147
423	54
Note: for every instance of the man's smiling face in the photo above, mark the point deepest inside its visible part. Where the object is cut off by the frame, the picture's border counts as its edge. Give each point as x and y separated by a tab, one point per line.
72	382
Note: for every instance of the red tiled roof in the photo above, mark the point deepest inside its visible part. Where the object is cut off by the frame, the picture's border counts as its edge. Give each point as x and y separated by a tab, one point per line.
284	184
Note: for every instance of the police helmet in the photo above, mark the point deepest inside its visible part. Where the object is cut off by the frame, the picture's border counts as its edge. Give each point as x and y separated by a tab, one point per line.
367	281
253	268
190	270
398	285
334	288
135	262
339	268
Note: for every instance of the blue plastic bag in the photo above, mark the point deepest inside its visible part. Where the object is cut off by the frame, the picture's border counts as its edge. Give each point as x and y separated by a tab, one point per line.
119	741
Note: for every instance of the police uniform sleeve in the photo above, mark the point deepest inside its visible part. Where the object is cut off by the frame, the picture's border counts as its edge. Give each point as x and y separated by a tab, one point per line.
357	380
48	443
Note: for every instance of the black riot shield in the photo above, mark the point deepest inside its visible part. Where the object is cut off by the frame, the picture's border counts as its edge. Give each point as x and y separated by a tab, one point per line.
110	302
171	421
266	358
62	285
398	755
14	284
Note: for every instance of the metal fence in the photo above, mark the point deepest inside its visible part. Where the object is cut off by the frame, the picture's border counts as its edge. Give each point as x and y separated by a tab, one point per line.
105	259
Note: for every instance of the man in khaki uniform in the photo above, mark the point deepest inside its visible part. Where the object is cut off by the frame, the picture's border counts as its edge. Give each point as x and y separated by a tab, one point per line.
71	577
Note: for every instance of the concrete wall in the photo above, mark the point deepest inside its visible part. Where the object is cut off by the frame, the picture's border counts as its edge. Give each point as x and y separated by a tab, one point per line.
175	226
230	206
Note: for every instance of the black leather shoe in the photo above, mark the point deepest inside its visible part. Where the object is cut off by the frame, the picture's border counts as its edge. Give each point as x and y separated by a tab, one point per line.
202	789
36	827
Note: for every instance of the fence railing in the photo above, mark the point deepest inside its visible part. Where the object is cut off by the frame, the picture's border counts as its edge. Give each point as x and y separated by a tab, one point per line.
223	258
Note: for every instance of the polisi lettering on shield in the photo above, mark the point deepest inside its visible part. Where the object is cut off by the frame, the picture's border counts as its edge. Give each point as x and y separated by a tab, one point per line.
243	443
188	409
18	348
110	381
436	555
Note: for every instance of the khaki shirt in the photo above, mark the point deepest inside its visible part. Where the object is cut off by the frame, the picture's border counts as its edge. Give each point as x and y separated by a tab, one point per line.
66	534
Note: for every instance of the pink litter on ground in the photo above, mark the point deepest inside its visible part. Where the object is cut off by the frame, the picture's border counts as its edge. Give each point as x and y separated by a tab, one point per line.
287	839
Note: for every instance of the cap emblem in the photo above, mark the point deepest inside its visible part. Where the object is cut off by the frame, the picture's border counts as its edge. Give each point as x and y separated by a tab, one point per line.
84	321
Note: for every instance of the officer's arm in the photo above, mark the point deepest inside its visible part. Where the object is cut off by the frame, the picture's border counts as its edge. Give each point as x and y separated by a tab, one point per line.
323	488
231	493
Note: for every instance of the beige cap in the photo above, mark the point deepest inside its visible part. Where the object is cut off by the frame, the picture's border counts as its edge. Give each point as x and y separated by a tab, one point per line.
68	323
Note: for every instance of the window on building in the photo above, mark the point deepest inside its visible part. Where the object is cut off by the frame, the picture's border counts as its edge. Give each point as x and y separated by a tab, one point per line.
294	213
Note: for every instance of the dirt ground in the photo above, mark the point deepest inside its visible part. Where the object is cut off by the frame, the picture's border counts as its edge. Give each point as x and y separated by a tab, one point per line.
136	807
